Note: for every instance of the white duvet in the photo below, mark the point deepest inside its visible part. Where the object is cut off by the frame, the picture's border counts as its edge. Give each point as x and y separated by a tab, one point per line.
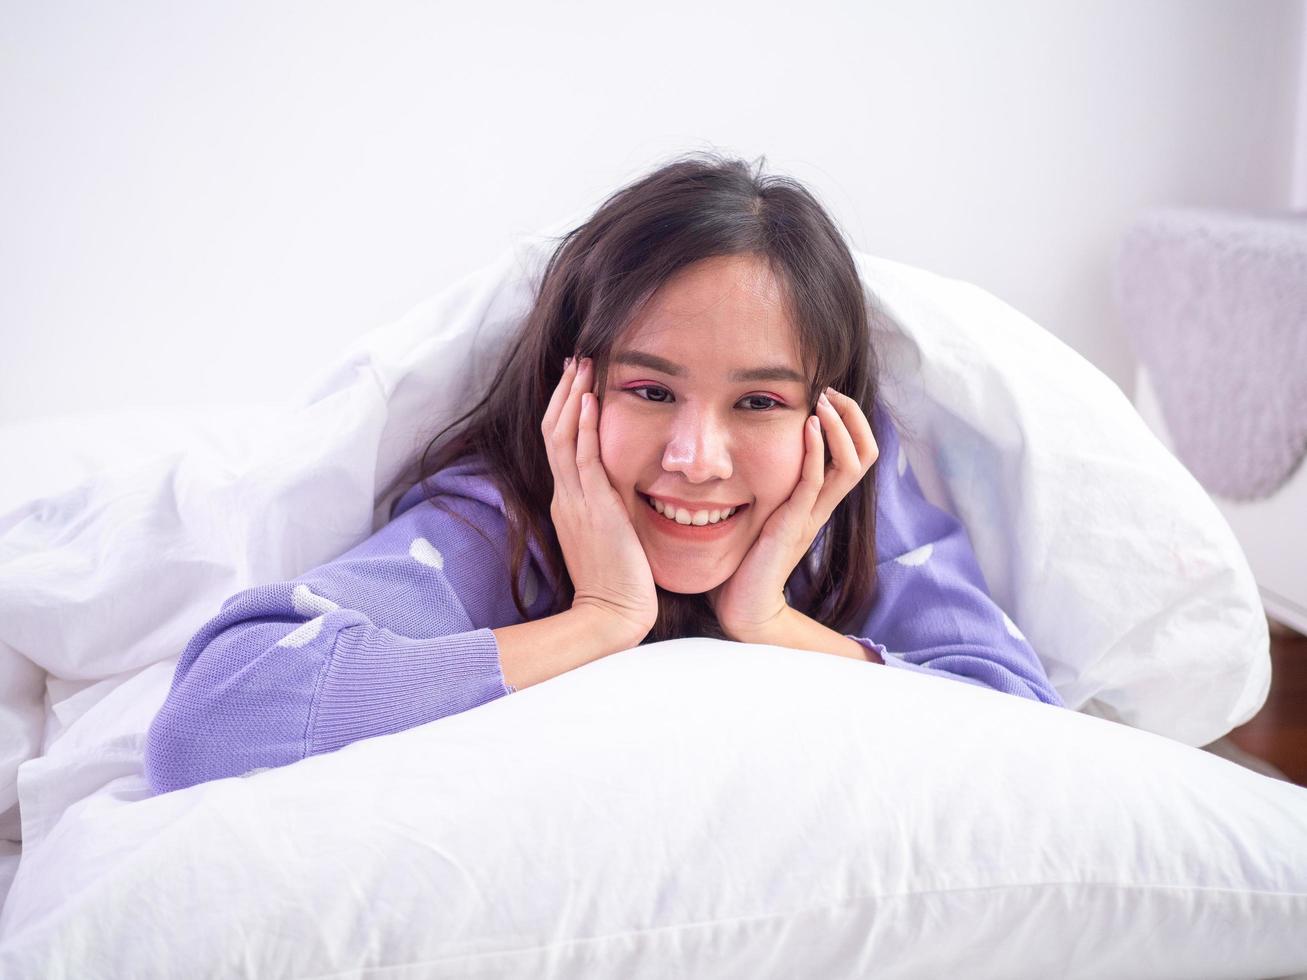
693	808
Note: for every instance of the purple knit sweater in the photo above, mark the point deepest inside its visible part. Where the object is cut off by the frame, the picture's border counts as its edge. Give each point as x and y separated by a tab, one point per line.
396	632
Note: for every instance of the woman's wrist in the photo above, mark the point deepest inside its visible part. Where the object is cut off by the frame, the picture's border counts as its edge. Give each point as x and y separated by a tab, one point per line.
799	631
613	630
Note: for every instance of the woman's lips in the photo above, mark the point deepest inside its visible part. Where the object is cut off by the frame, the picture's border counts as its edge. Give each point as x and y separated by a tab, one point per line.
691	532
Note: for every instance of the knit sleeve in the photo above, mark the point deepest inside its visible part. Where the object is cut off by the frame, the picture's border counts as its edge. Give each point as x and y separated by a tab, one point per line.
393	634
933	613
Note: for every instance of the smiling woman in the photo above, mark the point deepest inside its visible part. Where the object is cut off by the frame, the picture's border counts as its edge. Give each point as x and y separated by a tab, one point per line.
681	441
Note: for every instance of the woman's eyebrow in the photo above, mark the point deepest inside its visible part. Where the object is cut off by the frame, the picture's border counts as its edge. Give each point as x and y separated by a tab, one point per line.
640	358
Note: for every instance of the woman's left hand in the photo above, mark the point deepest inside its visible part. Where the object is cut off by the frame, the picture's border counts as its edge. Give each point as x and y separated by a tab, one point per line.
753	597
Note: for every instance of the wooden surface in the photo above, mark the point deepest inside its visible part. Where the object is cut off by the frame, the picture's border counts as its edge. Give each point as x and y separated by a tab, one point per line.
1278	733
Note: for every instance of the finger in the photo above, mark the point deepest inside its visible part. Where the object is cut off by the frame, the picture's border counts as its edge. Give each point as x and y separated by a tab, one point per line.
844	455
807	494
565	429
859	429
559	397
589	466
846	466
550	422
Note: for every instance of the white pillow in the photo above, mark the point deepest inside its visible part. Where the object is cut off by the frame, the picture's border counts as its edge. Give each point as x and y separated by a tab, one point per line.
693	808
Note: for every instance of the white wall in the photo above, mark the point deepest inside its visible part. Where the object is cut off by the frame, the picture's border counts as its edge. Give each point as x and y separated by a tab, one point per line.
198	201
1298	198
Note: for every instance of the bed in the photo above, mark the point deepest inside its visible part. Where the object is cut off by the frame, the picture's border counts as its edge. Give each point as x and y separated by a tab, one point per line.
693	808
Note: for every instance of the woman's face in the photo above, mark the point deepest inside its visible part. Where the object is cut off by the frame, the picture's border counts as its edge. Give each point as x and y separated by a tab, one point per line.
683	417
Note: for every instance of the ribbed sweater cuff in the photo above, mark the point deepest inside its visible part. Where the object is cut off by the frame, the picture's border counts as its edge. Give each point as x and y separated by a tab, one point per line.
378	682
896	660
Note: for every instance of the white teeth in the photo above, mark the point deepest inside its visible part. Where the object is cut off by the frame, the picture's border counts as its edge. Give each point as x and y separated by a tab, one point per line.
698	517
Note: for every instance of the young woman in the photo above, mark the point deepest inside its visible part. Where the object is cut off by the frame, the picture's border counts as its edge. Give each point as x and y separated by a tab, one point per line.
679	443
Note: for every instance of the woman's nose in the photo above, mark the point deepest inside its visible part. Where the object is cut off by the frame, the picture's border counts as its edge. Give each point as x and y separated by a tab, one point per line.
698	446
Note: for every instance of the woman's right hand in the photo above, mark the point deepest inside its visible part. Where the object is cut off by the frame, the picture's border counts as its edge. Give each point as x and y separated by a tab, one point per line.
604	557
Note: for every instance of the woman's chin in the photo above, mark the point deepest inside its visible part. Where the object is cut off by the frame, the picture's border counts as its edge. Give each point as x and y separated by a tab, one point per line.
686	582
681	589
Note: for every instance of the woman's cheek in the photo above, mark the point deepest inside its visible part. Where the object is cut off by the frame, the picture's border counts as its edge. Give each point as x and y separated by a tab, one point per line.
614	436
781	455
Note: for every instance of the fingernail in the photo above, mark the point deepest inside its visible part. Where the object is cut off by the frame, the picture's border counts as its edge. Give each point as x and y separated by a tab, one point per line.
824	400
567	363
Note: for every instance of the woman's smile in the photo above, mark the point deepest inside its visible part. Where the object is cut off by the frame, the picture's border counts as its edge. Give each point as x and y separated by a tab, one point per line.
709	531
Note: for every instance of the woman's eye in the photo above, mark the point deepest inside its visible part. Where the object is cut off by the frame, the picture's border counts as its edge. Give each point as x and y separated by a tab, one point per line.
660	391
772	402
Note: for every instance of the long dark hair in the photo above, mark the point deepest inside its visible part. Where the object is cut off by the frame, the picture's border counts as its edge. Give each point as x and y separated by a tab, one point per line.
696	207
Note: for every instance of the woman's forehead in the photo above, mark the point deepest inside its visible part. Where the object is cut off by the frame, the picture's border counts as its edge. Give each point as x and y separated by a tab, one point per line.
723	317
718	288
